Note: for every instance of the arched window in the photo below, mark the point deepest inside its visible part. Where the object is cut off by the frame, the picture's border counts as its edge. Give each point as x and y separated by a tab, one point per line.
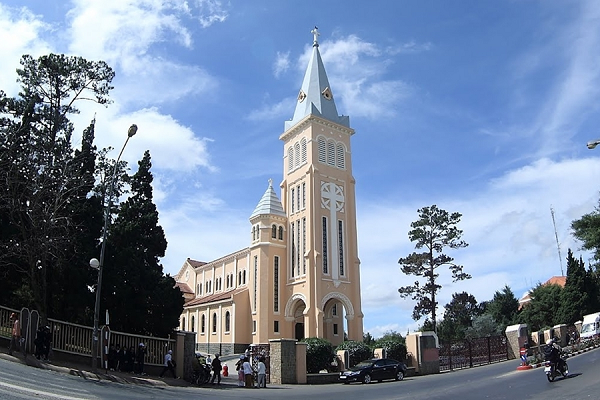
322	150
290	158
244	277
330	153
281	233
303	150
203	324
297	154
239	278
227	321
253	233
200	288
193	324
183	324
214	323
274	231
340	161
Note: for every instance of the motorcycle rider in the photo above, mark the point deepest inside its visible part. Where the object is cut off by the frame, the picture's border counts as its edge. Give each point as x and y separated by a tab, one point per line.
552	353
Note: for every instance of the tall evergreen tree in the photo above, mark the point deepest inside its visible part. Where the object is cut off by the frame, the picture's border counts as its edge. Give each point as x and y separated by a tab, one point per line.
140	298
574	298
435	231
503	307
40	179
542	310
458	316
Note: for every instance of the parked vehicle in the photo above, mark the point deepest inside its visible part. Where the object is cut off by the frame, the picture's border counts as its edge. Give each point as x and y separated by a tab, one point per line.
376	369
590	326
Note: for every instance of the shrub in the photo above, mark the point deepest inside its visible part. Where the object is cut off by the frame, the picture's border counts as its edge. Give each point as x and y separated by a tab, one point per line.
319	355
393	348
357	351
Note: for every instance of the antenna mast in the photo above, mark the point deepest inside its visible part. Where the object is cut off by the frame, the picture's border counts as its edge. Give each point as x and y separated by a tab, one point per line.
557	242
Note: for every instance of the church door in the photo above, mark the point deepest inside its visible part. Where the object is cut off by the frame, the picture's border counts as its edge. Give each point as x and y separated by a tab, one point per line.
299	331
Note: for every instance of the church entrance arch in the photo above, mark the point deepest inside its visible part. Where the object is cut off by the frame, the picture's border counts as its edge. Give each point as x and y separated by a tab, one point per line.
294	313
337	311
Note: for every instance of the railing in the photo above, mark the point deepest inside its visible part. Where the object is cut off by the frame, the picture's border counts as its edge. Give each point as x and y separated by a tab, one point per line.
470	353
76	339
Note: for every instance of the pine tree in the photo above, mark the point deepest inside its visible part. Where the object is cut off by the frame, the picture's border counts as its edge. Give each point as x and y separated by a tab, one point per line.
140	298
574	298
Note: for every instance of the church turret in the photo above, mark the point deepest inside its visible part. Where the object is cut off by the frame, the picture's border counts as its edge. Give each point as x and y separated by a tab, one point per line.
269	204
315	96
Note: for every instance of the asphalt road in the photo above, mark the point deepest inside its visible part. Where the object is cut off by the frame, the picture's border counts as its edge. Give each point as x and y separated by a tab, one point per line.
496	381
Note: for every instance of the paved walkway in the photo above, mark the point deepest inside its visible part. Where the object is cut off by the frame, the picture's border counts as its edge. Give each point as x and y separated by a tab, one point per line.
117	376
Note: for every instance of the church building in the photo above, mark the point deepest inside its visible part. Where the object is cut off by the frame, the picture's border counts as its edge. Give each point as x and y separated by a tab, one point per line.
300	275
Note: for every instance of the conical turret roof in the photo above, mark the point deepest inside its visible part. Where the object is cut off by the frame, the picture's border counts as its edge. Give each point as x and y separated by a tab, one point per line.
269	204
315	96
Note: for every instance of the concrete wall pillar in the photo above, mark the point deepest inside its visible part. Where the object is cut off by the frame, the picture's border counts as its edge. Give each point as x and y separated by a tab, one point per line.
301	362
423	352
283	361
517	337
184	352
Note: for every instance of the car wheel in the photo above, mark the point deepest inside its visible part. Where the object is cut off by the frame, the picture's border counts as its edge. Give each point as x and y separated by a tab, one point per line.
399	375
367	379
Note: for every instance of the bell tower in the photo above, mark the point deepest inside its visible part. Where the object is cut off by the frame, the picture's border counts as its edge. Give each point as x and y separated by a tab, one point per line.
322	295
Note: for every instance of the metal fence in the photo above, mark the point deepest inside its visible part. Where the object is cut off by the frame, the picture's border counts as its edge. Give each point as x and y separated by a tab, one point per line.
469	353
77	339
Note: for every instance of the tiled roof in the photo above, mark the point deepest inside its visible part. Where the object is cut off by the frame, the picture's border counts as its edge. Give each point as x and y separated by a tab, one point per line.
184	287
194	263
214	298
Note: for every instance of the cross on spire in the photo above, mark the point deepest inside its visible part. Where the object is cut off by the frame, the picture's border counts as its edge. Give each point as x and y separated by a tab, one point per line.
316	34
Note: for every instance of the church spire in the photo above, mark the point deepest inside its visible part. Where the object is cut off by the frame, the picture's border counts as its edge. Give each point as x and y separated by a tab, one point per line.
269	204
315	96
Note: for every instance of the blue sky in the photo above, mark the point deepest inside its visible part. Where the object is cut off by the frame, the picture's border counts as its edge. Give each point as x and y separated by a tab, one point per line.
478	107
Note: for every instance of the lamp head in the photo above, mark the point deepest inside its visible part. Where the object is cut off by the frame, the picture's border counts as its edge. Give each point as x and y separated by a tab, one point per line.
132	130
94	263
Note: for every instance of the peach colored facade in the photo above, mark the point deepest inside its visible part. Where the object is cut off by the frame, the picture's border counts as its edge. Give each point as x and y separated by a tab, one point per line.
300	275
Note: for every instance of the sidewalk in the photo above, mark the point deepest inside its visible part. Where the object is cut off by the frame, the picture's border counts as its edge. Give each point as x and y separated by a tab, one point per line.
113	376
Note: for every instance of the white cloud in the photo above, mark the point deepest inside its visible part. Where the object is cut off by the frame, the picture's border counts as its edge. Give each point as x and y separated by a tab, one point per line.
282	63
20	32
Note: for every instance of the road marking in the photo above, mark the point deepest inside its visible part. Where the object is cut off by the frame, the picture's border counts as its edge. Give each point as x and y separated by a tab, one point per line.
37	392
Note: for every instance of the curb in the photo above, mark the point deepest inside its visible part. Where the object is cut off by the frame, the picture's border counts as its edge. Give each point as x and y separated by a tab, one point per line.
569	355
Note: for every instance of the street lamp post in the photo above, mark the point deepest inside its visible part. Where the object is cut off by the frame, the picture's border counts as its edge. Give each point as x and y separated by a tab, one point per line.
94	263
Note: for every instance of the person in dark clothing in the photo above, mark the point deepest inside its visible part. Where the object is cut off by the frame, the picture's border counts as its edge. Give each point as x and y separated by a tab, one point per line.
39	342
129	359
216	367
139	357
112	357
46	342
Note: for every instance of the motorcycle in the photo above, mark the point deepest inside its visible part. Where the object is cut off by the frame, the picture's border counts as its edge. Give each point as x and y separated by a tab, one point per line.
554	369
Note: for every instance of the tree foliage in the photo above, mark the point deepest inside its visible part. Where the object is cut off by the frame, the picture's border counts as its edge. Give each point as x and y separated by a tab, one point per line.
434	231
394	345
587	230
357	351
319	354
542	311
483	326
503	307
52	198
458	316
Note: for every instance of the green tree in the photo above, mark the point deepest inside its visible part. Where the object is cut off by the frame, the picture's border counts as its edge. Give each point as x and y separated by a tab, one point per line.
503	307
319	355
42	187
435	230
587	230
542	310
458	315
368	339
139	297
394	345
575	300
483	326
357	351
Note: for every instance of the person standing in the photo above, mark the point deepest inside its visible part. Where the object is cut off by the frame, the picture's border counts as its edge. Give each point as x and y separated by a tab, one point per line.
15	339
140	356
169	364
240	370
262	373
248	373
216	367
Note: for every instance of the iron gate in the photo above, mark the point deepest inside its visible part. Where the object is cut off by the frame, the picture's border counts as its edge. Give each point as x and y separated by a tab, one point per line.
470	353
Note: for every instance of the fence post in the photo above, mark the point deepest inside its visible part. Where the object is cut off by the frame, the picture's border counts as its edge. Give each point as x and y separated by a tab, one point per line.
470	354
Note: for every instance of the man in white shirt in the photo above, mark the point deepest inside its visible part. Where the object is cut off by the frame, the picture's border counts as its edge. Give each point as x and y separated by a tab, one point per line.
169	364
262	373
